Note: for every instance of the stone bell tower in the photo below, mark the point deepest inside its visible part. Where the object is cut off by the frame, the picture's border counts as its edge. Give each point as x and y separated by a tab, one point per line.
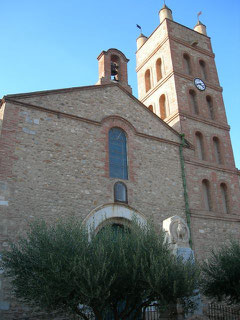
178	81
112	66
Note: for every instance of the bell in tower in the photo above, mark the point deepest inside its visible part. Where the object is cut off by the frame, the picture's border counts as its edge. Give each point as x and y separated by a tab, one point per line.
112	66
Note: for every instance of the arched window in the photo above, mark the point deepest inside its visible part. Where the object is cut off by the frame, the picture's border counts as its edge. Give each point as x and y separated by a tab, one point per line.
216	148
117	143
200	146
203	70
225	199
210	107
193	101
162	106
187	64
120	192
206	195
159	69
150	108
147	80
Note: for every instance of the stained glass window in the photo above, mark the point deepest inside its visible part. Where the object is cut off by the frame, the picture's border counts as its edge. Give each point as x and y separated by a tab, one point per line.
117	143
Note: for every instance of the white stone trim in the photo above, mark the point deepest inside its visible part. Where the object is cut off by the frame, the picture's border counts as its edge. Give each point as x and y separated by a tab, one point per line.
97	216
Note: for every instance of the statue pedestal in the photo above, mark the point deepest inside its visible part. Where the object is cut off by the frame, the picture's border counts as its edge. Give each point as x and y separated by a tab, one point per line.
178	235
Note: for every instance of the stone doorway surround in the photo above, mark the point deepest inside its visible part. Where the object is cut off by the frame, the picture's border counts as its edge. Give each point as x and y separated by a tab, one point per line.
113	213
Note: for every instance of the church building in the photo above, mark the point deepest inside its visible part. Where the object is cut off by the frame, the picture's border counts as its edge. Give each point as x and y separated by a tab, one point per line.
100	154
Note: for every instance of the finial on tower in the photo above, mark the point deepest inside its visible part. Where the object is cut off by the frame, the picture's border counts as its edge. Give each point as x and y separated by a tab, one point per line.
199	13
165	13
141	39
200	27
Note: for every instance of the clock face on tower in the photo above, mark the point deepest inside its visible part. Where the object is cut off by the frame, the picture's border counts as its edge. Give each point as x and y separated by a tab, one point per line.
199	84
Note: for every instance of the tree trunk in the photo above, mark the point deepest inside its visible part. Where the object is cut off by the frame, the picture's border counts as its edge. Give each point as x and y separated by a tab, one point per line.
115	313
81	314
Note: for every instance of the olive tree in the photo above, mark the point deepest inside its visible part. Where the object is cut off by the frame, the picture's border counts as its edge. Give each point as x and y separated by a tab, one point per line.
220	278
117	271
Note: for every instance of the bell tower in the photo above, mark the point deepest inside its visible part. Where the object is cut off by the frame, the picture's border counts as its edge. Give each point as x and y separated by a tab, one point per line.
178	81
112	67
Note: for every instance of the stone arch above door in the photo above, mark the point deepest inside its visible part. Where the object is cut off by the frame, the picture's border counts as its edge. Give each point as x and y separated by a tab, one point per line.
112	212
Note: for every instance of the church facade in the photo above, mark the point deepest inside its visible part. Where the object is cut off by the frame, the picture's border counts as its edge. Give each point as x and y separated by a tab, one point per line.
102	155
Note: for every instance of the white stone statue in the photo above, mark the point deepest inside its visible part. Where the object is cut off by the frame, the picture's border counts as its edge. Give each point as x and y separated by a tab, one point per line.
177	232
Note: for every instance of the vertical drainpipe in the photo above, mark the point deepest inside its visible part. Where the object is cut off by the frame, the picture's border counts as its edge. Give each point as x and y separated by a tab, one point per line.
187	211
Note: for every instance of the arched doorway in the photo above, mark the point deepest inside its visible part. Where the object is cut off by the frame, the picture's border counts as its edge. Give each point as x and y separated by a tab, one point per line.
113	214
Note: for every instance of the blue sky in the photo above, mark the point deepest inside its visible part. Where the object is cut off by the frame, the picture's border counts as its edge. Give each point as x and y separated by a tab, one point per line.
52	44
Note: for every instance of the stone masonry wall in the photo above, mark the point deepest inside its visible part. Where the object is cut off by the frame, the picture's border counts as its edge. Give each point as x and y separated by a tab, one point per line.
60	165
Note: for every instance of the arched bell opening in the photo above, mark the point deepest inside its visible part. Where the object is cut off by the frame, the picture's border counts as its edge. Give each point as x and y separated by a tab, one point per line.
115	68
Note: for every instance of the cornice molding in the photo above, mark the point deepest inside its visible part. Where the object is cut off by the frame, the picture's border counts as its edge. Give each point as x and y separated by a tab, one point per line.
205	121
177	74
187	44
211	166
201	214
178	40
191	78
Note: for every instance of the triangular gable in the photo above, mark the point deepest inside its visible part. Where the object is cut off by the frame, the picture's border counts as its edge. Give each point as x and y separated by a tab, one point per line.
98	102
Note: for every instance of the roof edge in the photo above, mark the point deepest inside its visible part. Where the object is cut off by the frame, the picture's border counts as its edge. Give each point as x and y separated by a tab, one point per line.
55	91
72	89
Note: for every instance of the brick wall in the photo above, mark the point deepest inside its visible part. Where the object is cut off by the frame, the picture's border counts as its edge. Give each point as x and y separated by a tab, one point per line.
171	41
